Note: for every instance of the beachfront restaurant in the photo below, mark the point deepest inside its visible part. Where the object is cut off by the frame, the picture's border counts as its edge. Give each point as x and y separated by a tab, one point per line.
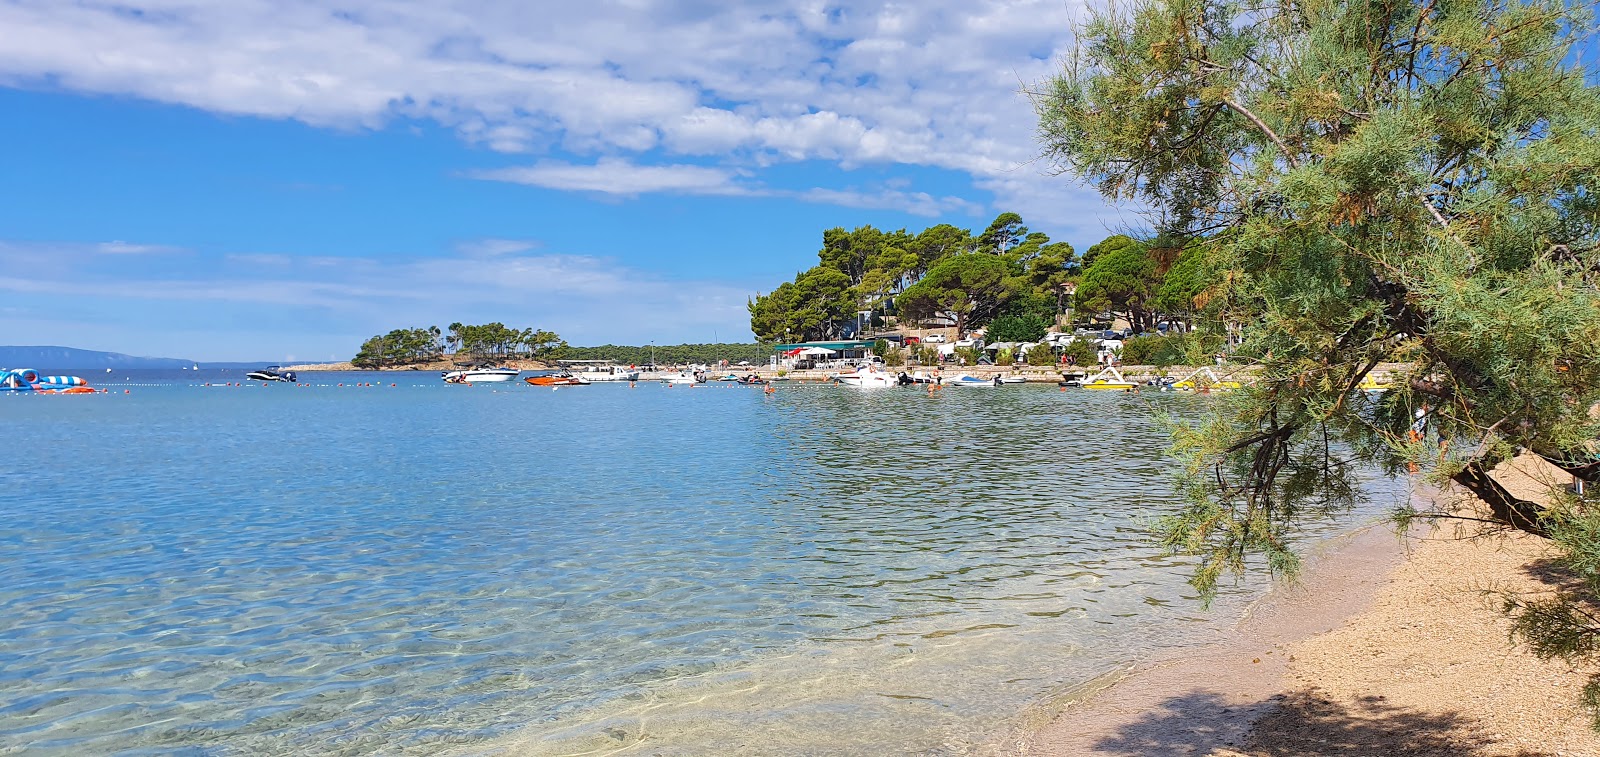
807	355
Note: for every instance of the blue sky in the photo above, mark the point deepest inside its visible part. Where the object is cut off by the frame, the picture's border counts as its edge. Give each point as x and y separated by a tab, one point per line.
280	179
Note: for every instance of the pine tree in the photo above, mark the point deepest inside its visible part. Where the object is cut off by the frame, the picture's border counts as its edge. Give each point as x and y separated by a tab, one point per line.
1375	181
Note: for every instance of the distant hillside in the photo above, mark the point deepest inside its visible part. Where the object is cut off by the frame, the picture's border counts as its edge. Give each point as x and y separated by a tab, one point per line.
69	357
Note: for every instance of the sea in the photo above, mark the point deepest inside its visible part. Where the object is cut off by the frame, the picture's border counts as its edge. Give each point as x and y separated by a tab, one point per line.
380	563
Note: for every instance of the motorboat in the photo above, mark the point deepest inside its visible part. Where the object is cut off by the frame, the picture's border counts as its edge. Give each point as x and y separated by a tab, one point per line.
750	380
972	381
562	378
913	379
868	377
272	373
600	371
683	377
479	375
1013	379
1109	379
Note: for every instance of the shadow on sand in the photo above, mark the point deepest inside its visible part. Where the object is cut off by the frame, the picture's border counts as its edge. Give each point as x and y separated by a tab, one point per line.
1300	723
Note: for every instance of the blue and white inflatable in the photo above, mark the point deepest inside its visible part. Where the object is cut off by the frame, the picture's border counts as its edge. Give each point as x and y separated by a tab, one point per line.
29	380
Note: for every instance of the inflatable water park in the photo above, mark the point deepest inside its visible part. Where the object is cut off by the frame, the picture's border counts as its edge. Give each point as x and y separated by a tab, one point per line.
29	380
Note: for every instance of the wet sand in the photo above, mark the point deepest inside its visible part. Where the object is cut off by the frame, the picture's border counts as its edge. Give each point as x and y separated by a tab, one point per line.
1384	649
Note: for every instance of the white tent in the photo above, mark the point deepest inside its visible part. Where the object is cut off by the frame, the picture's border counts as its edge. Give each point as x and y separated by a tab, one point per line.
817	351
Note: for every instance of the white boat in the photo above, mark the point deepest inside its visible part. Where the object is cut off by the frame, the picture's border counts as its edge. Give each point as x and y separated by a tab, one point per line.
480	375
868	377
598	371
972	381
1013	379
683	377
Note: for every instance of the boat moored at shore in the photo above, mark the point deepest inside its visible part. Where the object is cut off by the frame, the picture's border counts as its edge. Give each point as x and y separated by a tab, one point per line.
868	376
599	371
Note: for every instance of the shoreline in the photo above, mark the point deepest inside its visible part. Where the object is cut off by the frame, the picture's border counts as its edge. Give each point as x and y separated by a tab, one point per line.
1210	697
1383	647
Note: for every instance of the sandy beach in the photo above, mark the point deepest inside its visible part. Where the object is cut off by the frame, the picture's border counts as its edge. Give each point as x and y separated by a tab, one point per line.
1385	648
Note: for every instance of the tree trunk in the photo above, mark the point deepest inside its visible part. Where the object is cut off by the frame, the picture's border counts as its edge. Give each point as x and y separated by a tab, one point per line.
1506	507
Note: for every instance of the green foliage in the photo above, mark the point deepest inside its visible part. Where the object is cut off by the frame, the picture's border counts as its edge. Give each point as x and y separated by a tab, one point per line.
493	341
400	347
1141	350
1162	350
1005	356
1030	327
1182	289
926	354
867	269
967	289
1122	279
1369	182
1081	351
1006	232
1040	355
895	358
969	354
880	347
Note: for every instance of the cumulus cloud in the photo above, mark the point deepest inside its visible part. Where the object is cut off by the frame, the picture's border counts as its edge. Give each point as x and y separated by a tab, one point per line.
932	83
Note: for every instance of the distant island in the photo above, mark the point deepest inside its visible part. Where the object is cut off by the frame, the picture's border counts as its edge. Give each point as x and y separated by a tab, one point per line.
72	358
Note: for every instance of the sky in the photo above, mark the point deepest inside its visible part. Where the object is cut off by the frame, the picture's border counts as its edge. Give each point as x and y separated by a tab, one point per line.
281	179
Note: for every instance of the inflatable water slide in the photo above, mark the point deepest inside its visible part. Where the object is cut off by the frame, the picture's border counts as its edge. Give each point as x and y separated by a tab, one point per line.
29	380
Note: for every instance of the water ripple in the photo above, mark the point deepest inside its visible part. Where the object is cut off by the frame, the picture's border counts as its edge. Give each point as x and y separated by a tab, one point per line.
411	569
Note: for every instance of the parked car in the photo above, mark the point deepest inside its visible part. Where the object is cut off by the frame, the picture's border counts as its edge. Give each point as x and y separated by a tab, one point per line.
934	339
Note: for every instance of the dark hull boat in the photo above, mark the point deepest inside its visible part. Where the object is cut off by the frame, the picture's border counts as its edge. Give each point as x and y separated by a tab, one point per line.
272	373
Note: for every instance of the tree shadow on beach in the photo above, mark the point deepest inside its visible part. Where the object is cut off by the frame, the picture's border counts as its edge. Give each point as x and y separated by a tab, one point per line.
1300	723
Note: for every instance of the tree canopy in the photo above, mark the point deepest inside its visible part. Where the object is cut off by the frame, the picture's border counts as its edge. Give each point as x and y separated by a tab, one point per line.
966	289
493	341
1378	181
868	269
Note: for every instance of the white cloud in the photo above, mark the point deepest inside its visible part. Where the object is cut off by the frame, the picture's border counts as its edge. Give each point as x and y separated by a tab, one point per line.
119	247
495	247
616	176
915	203
933	83
331	303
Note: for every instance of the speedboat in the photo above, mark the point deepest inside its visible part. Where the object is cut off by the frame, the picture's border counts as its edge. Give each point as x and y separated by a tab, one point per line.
868	377
479	375
556	379
272	373
912	379
1013	379
750	380
973	381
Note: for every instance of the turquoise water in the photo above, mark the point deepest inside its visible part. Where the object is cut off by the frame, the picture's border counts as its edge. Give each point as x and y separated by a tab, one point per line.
604	569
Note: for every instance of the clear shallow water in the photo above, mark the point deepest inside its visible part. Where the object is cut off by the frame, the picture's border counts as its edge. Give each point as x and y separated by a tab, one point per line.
409	569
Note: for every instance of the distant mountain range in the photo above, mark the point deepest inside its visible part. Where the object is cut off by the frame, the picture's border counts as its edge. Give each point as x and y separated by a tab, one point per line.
70	357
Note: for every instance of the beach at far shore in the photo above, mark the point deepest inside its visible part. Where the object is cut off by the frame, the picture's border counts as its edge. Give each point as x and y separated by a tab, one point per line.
1383	648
